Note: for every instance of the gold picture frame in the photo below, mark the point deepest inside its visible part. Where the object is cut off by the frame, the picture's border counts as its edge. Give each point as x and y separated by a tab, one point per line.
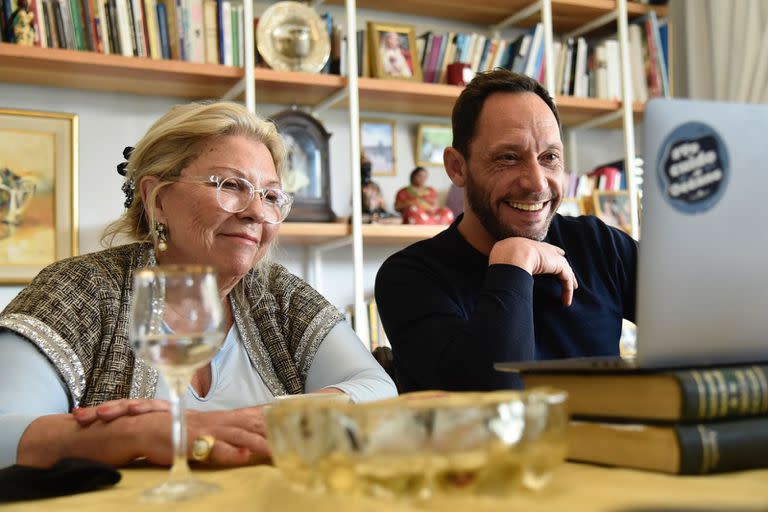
431	140
378	144
38	191
571	207
392	52
613	208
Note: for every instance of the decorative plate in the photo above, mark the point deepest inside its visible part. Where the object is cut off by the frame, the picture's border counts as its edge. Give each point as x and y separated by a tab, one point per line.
291	36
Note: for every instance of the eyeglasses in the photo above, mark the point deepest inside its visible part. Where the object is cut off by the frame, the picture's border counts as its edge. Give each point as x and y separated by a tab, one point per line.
235	194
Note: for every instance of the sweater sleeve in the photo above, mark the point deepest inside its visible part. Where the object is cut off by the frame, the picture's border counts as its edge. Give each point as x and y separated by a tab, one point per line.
30	387
436	345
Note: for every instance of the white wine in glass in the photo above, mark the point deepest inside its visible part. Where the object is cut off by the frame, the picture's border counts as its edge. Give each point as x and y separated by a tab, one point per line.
176	326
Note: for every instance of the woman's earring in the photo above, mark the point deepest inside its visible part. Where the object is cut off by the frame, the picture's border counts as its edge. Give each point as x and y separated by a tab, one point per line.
162	236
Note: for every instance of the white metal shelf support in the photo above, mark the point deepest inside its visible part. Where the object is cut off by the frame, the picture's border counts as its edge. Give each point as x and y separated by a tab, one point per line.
361	315
250	58
315	255
629	122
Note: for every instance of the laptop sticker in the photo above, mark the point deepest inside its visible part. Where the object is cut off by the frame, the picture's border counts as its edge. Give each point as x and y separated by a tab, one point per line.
693	168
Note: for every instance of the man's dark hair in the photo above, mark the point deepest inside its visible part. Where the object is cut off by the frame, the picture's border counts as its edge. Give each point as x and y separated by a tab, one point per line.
467	109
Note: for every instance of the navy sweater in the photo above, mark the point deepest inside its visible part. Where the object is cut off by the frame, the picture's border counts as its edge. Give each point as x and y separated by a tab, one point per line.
450	316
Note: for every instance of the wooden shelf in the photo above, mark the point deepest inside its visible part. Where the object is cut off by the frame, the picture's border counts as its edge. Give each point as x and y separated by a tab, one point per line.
404	97
311	233
398	234
95	71
292	87
566	14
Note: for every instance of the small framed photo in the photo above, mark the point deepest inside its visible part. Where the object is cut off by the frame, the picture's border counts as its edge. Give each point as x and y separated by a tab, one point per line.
613	208
431	140
38	191
571	207
377	140
393	52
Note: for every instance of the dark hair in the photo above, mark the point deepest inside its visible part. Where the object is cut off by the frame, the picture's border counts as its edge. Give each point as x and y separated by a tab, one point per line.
467	109
414	172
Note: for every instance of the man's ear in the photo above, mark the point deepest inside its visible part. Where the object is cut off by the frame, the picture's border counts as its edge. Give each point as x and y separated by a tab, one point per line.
147	185
455	166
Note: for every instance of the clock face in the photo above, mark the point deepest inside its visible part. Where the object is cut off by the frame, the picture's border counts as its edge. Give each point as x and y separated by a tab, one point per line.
303	176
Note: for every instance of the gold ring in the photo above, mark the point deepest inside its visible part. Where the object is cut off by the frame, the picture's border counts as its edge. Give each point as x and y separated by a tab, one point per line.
201	447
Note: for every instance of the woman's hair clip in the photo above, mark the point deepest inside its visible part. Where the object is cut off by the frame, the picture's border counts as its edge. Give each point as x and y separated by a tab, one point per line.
128	185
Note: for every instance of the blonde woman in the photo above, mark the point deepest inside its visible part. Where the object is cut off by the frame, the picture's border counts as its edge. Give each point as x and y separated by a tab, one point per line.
69	382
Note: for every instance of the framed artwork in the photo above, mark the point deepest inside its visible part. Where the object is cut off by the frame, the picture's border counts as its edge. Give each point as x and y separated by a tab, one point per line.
377	140
571	206
38	191
393	52
431	140
307	174
613	208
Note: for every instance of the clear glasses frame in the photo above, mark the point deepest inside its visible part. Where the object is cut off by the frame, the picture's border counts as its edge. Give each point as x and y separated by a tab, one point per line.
230	195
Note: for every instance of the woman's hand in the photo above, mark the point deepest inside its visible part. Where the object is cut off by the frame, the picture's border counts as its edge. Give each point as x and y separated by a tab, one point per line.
240	436
114	409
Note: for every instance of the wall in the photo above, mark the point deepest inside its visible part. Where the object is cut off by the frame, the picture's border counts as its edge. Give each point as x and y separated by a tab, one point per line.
109	122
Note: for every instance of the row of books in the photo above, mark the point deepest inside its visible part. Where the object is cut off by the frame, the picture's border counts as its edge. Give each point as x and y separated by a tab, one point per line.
376	334
193	30
609	177
582	67
688	421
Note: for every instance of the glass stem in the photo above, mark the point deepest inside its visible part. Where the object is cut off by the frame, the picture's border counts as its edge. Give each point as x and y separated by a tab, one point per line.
178	388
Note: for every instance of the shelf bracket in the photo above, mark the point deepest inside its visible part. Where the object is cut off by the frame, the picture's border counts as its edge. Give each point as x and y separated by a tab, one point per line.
330	101
592	25
518	16
235	91
316	254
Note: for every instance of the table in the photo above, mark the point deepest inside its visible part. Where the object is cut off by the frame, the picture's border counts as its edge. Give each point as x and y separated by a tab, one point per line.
576	487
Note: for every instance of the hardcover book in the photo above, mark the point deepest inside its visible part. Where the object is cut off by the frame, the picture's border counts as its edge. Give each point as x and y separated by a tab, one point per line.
687	449
683	395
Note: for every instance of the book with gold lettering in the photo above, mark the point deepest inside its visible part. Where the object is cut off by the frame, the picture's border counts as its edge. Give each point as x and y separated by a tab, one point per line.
682	395
680	448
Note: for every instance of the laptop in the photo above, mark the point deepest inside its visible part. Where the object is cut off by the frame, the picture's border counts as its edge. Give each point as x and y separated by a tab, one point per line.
702	296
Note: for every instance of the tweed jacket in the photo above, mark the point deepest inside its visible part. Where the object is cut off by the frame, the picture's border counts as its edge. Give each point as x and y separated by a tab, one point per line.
76	312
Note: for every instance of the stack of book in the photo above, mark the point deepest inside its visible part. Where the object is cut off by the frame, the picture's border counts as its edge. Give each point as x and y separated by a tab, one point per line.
688	421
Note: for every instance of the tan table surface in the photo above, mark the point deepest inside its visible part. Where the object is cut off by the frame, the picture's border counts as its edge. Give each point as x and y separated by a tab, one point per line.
576	487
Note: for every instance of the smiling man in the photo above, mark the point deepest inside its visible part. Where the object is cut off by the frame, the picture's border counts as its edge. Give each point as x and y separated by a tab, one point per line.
510	280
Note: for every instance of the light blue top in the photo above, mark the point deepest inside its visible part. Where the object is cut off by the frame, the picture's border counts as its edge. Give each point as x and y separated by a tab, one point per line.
30	386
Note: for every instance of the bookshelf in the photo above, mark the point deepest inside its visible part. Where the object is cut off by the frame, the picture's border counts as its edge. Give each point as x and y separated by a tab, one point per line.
144	76
134	75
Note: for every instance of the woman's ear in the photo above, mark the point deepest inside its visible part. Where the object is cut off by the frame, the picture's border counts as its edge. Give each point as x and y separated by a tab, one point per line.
455	166
147	186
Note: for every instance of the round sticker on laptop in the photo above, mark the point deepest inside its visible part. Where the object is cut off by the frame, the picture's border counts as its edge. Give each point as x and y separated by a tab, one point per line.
693	168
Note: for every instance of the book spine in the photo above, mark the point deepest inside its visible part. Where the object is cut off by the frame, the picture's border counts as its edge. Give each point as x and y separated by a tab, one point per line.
723	392
723	446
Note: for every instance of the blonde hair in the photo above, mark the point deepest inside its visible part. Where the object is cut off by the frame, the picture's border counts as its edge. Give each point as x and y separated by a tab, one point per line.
173	142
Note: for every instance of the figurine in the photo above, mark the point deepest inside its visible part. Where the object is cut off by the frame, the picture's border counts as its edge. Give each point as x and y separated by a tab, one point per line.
417	202
20	24
373	201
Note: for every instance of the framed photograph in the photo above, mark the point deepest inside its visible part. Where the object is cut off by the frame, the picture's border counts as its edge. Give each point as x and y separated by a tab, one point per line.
38	191
431	140
571	207
377	140
393	52
613	209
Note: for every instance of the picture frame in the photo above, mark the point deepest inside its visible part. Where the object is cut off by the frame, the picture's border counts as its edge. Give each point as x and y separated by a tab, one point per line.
431	140
38	191
378	143
392	52
571	207
613	208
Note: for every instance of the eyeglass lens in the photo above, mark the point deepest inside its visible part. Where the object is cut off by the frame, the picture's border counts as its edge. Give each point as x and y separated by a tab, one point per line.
235	194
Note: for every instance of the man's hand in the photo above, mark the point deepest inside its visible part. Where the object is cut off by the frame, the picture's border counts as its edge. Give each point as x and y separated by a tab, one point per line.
536	258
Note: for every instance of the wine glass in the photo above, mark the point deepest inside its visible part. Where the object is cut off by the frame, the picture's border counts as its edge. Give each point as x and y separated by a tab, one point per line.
177	326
